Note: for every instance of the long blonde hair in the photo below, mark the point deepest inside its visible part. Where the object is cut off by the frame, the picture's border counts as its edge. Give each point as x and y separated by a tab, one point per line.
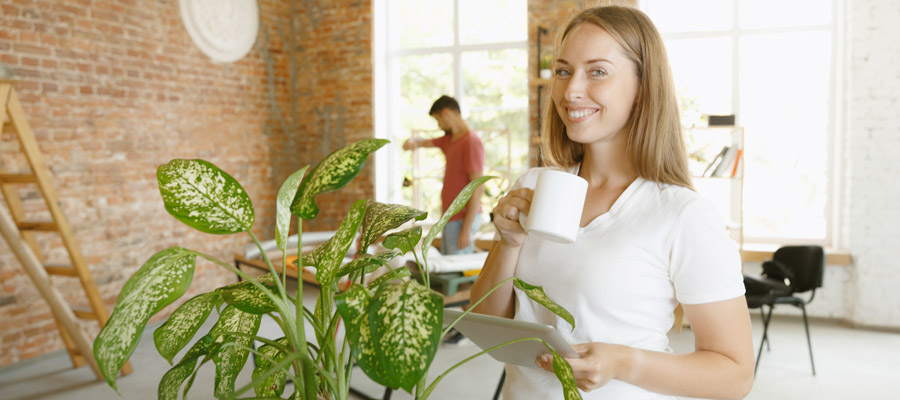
655	148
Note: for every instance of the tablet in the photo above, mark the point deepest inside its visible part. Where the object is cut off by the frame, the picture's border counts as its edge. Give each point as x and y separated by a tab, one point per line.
487	331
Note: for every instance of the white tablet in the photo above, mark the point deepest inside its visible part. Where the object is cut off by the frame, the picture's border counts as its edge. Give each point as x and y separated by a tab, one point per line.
487	331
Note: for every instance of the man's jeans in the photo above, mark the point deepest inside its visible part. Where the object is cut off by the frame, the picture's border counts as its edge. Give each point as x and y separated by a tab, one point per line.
450	237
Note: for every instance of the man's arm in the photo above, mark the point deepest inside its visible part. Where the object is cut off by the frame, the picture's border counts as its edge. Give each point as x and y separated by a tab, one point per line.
465	233
416	142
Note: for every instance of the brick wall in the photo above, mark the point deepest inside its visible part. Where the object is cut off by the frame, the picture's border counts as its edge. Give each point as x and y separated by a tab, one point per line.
871	148
115	88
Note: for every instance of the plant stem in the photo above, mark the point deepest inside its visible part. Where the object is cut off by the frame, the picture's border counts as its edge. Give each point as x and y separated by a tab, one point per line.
437	380
503	282
278	302
265	257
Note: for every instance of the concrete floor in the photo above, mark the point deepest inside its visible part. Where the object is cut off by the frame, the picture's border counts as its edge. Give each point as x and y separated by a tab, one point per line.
850	364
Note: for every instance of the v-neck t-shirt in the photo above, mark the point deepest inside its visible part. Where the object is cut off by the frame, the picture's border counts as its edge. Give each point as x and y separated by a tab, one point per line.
629	267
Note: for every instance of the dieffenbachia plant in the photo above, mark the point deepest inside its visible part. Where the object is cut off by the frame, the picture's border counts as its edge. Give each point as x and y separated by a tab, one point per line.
392	329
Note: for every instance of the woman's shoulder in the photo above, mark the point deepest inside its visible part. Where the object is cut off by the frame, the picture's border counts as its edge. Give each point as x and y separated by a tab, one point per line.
676	197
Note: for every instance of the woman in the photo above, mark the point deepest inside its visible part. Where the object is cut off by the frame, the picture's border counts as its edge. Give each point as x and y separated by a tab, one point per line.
647	241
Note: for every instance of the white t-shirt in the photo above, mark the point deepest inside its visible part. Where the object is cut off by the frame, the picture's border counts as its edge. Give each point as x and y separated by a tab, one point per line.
658	245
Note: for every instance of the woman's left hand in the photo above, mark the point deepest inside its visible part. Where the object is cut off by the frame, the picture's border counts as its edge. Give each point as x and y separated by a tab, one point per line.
599	363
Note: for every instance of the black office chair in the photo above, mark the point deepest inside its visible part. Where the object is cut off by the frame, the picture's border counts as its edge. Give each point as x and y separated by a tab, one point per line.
792	270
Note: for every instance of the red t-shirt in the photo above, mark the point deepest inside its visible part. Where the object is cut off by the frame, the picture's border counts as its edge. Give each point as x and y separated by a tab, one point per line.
465	155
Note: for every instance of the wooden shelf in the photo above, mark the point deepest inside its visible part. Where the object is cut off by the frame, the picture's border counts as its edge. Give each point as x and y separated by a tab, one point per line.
535	82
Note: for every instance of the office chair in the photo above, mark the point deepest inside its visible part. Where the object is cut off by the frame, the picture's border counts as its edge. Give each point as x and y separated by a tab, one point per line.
792	270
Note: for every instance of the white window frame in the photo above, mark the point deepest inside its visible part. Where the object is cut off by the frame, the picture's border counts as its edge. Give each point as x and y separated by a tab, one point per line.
834	190
387	83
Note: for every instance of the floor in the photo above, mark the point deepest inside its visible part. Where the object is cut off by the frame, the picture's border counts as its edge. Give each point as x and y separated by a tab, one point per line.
850	364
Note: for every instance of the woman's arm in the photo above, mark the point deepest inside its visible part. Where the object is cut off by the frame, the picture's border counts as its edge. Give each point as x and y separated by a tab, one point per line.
503	257
721	366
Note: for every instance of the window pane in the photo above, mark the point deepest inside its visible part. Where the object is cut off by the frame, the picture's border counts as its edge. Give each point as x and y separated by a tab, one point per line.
496	96
422	80
690	15
491	21
416	23
702	69
785	111
781	13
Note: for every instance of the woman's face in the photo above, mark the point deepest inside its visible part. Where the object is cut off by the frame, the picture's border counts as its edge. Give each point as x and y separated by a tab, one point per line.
596	84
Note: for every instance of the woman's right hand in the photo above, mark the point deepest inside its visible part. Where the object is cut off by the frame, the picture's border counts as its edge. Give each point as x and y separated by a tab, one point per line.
506	216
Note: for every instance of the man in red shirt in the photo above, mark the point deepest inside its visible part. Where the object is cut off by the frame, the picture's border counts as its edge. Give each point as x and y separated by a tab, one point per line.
465	162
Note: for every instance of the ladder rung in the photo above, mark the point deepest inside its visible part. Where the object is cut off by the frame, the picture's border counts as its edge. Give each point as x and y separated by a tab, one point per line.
48	226
84	313
18	178
66	270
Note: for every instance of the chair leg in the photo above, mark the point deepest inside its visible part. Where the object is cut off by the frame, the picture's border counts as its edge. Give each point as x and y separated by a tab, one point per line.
765	337
500	385
762	317
808	341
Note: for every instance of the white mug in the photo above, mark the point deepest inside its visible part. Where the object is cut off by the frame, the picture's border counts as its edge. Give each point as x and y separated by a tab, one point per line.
556	207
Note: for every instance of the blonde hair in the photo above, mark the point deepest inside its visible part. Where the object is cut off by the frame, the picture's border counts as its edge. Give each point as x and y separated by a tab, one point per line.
655	147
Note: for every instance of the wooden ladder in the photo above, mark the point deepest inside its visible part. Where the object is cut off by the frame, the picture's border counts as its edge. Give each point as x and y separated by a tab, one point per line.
20	235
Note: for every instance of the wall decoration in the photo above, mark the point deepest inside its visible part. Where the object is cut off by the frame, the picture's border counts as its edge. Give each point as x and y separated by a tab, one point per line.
225	30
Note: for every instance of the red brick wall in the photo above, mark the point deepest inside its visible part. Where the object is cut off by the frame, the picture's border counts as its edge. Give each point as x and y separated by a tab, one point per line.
115	88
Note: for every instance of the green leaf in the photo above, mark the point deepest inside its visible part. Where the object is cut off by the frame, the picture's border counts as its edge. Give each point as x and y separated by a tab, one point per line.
365	262
283	207
404	240
332	173
327	256
273	385
183	324
204	197
381	218
158	283
174	378
405	321
537	294
458	203
230	360
353	305
566	376
389	276
249	298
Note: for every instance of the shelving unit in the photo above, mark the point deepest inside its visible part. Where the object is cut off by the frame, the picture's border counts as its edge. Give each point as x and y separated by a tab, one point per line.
726	190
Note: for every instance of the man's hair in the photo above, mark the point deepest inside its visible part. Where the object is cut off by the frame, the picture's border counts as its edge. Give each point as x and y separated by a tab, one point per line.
443	103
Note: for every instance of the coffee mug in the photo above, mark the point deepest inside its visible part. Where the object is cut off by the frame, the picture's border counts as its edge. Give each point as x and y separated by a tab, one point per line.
556	207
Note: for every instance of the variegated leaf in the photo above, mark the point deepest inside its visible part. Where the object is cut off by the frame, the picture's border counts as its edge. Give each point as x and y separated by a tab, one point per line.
404	240
174	378
204	197
537	294
230	360
247	297
283	207
183	324
273	385
365	262
406	323
158	283
566	376
458	203
328	260
389	276
381	218
354	305
333	172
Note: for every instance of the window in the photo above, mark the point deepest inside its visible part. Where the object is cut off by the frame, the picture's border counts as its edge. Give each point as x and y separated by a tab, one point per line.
425	49
772	64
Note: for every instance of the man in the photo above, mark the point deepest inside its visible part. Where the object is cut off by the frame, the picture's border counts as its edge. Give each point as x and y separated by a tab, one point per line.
465	162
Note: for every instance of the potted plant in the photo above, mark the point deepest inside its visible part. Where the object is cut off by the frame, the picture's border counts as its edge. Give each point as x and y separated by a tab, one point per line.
546	72
386	348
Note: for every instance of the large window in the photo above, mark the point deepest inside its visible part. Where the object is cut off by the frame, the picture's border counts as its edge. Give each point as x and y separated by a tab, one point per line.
772	64
473	50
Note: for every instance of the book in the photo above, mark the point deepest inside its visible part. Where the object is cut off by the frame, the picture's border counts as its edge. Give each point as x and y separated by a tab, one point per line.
725	166
737	162
715	162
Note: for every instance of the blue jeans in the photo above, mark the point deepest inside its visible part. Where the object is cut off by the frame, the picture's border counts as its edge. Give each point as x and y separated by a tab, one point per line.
450	237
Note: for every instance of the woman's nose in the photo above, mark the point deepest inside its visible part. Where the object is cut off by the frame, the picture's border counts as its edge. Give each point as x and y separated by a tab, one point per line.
574	88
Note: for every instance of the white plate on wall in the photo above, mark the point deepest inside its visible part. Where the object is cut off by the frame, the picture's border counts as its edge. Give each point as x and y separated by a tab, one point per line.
224	30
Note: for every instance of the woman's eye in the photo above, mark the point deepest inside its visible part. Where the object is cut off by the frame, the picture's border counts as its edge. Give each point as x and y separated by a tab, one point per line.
598	72
562	73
